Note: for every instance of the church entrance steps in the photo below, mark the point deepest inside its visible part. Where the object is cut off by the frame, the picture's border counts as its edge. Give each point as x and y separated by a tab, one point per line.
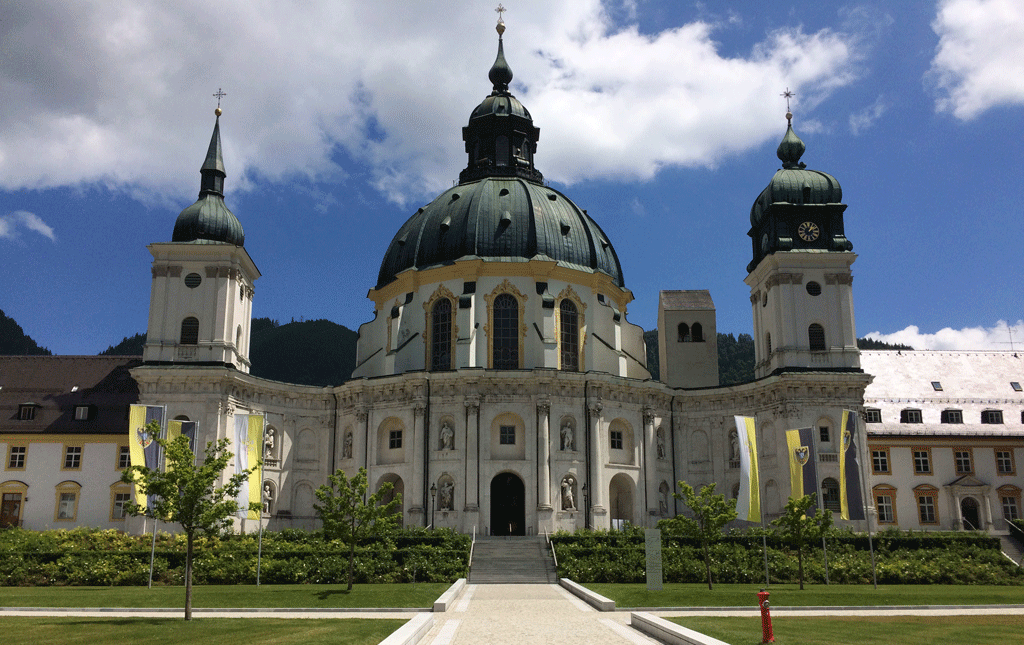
512	560
1012	547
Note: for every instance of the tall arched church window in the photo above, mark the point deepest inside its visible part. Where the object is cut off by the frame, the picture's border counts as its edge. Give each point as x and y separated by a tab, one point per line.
190	331
684	333
441	335
570	336
506	332
697	332
816	337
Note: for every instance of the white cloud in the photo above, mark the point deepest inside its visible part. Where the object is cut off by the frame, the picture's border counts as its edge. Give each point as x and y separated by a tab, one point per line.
98	92
864	119
979	62
969	338
12	222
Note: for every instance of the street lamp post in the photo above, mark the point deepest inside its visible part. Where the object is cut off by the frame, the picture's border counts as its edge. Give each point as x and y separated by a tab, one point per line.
433	505
586	508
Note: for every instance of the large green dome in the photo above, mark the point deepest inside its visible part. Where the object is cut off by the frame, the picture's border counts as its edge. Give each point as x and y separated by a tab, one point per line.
501	210
503	219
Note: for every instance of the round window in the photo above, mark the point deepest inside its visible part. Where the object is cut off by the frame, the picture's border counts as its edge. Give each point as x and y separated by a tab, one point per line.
814	288
193	280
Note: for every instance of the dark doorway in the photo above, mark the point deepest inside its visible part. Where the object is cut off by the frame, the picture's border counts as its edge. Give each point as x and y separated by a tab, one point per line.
508	506
10	510
969	511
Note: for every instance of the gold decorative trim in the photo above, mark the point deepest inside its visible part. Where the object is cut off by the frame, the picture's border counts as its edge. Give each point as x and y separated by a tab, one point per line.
442	292
569	293
509	288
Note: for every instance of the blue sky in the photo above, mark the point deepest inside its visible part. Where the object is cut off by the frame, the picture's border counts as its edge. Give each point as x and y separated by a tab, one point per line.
661	118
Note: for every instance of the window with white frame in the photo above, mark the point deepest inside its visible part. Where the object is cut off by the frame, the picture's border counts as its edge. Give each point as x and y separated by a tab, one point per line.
883	503
922	461
117	511
1004	461
952	416
124	457
16	457
926	505
962	461
872	415
72	457
880	461
910	415
992	416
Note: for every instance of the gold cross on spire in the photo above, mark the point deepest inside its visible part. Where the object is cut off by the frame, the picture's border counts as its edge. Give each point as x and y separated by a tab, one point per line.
219	95
500	10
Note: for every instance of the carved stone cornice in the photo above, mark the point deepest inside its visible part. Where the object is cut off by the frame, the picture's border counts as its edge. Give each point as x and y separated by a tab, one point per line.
839	278
783	278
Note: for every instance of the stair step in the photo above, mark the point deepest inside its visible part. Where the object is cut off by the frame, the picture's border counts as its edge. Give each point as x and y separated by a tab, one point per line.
522	560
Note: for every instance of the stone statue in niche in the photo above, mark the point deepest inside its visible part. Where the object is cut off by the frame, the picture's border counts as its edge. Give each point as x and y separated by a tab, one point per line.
346	449
447	437
734	445
268	444
568	500
268	498
447	496
663	500
661	443
568	438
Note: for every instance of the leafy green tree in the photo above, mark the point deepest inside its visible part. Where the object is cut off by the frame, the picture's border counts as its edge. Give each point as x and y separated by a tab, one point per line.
798	528
348	515
710	513
188	493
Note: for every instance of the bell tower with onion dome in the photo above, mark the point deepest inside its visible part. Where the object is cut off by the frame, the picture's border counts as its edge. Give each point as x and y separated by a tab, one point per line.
801	286
200	308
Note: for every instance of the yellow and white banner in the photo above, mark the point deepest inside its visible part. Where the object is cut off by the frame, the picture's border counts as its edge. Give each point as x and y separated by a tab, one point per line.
142	446
748	502
248	441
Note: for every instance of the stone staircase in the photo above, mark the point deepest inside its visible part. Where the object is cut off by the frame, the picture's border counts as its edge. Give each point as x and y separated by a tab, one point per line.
1012	547
512	560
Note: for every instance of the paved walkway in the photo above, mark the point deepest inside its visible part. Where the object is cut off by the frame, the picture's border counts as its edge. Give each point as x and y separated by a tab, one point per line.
518	614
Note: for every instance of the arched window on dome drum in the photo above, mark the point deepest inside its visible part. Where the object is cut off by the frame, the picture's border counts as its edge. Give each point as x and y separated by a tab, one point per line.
506	332
570	332
501	150
684	333
441	336
816	337
697	332
190	331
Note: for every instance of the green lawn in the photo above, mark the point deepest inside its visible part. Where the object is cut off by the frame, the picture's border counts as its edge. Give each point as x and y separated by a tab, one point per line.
745	595
200	631
417	595
905	630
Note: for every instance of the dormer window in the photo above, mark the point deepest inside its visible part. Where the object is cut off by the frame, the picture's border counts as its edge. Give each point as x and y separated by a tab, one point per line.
992	416
27	411
82	412
910	416
952	416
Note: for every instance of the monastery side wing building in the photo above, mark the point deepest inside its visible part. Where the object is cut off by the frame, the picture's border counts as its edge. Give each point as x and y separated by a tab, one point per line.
500	386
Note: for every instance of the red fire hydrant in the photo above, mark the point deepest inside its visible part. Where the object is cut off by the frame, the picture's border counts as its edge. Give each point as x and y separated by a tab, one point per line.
766	617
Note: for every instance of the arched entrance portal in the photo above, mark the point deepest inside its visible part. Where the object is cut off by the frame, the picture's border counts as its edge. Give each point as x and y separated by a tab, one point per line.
508	505
969	512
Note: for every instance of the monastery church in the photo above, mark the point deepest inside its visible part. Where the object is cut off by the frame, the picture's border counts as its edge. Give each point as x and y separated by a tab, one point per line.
500	386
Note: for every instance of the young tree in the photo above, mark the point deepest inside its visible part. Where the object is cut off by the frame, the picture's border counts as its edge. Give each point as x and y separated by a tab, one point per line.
710	513
798	529
188	493
348	515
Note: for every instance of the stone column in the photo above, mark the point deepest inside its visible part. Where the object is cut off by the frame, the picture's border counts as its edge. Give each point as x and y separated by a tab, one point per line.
418	443
472	443
650	463
597	441
544	456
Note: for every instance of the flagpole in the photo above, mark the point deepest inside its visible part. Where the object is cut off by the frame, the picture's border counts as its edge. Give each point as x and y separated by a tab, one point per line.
259	551
764	537
868	506
159	465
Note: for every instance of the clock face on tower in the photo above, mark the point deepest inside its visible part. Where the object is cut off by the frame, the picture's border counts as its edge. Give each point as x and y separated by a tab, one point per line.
808	231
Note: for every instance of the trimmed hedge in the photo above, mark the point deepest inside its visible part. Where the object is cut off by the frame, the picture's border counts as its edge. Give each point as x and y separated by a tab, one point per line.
103	558
902	558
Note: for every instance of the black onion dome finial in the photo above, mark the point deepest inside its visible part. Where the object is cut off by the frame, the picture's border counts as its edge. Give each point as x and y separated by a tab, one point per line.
209	220
791	148
500	74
